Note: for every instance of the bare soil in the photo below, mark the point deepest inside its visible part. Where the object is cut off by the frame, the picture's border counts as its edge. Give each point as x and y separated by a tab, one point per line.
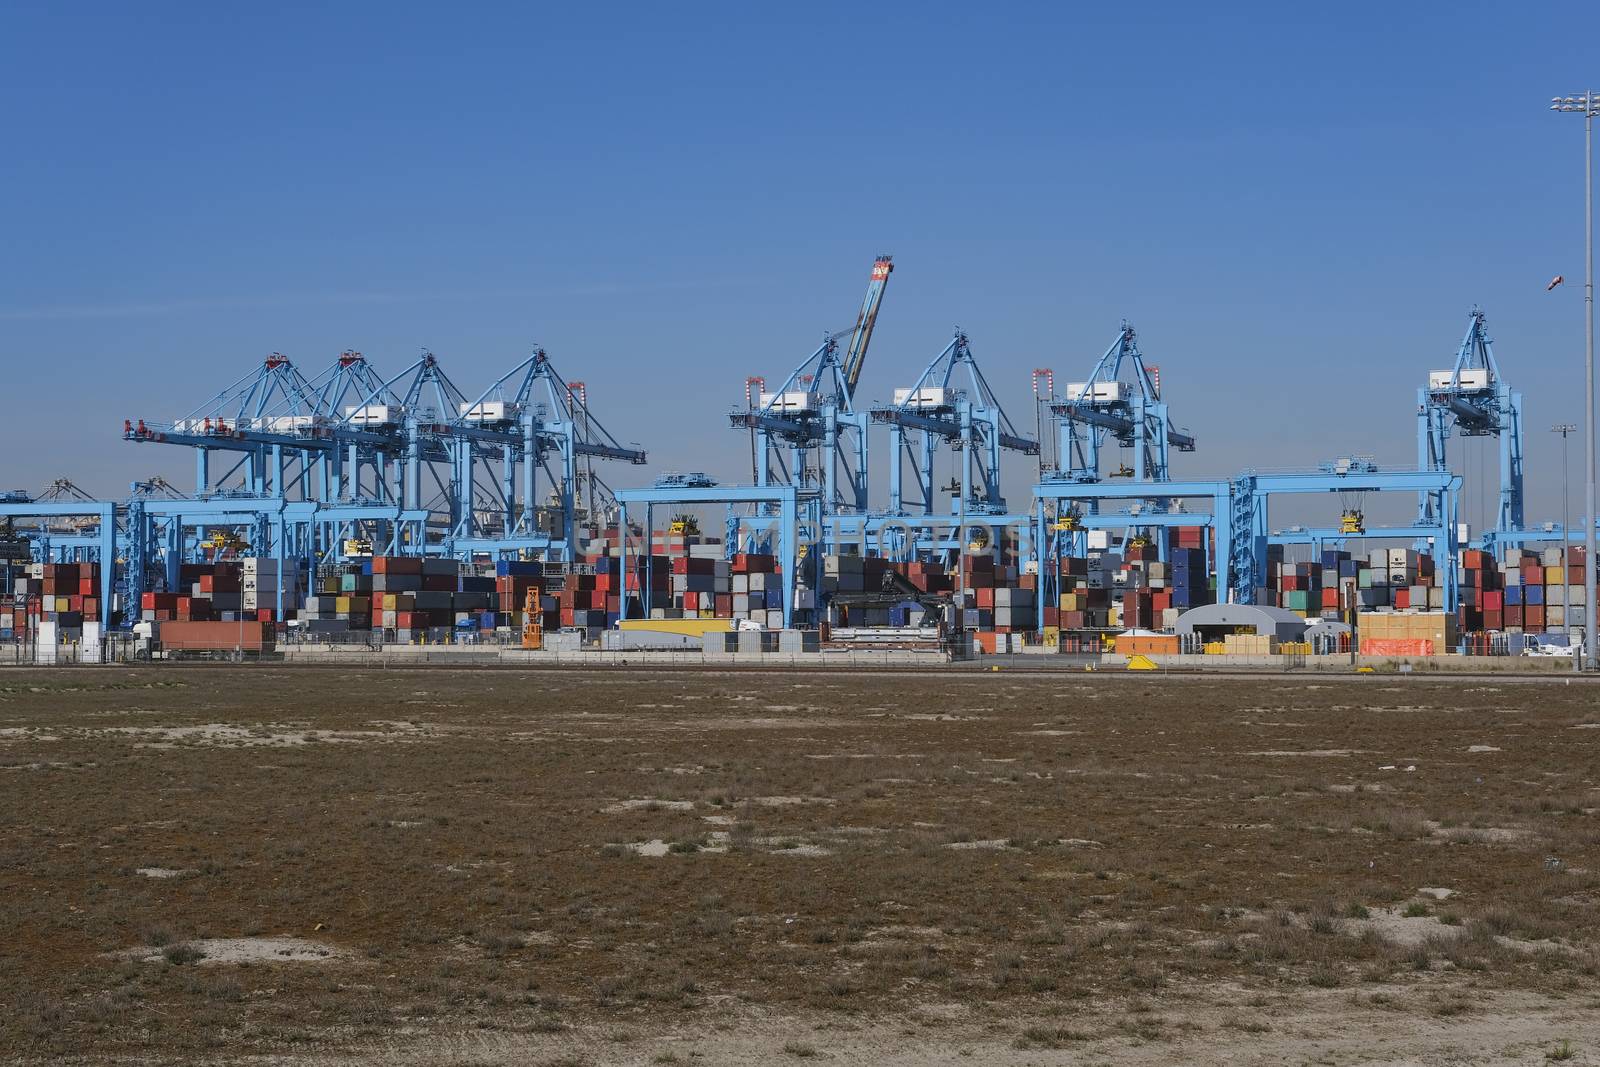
294	865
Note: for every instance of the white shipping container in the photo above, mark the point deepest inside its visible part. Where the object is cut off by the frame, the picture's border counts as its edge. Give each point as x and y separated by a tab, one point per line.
372	415
929	396
1470	379
287	423
1099	393
484	411
792	401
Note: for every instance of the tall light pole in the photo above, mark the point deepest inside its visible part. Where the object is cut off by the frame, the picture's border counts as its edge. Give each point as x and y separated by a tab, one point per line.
1587	105
1565	428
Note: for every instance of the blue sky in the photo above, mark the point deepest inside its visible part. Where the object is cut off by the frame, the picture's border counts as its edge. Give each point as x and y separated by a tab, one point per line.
1296	208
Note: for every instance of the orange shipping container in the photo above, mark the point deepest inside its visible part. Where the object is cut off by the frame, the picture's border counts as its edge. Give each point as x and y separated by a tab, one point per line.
216	636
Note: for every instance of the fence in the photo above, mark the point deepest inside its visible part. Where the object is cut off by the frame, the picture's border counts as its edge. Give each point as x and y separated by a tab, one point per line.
120	649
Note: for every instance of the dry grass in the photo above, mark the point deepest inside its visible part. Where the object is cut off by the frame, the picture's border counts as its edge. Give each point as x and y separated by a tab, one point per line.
450	832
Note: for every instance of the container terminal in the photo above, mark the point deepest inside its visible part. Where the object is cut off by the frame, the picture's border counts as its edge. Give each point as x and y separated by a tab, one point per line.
356	507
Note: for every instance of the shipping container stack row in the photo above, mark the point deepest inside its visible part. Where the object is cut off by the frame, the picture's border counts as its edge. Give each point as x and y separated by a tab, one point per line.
1131	589
1525	591
57	597
416	598
242	590
1398	579
1529	592
748	586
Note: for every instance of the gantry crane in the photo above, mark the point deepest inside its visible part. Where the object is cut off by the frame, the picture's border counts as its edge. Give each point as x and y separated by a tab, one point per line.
1119	401
390	459
950	402
1472	399
807	432
531	420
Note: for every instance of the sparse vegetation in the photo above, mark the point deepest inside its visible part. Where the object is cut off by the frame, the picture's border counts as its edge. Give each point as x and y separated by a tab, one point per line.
452	909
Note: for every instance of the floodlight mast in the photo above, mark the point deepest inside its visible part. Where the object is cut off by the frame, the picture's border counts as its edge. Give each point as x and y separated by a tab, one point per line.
1588	105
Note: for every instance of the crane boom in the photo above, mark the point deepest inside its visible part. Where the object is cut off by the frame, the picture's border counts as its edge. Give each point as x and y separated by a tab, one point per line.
856	355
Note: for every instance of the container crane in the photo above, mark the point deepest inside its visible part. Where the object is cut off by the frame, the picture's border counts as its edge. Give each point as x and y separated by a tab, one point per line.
950	402
1105	406
807	432
532	420
1472	399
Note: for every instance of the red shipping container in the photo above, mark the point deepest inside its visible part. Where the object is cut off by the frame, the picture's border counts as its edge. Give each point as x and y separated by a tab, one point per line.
1493	600
1513	614
724	605
1330	598
1533	616
1402	597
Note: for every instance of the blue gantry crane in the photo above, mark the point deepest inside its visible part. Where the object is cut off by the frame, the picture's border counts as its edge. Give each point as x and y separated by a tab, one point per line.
373	455
1119	401
950	403
1472	399
527	423
807	432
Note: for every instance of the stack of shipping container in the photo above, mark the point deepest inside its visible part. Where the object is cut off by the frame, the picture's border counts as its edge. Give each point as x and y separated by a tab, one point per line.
242	590
57	596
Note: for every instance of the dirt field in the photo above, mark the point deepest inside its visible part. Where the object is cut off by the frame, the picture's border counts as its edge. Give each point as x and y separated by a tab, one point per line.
484	867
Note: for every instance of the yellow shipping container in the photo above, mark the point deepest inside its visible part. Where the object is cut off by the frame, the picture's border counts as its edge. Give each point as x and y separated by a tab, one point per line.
1555	576
694	627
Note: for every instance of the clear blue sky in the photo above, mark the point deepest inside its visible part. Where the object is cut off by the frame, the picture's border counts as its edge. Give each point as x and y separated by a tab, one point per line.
1296	208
